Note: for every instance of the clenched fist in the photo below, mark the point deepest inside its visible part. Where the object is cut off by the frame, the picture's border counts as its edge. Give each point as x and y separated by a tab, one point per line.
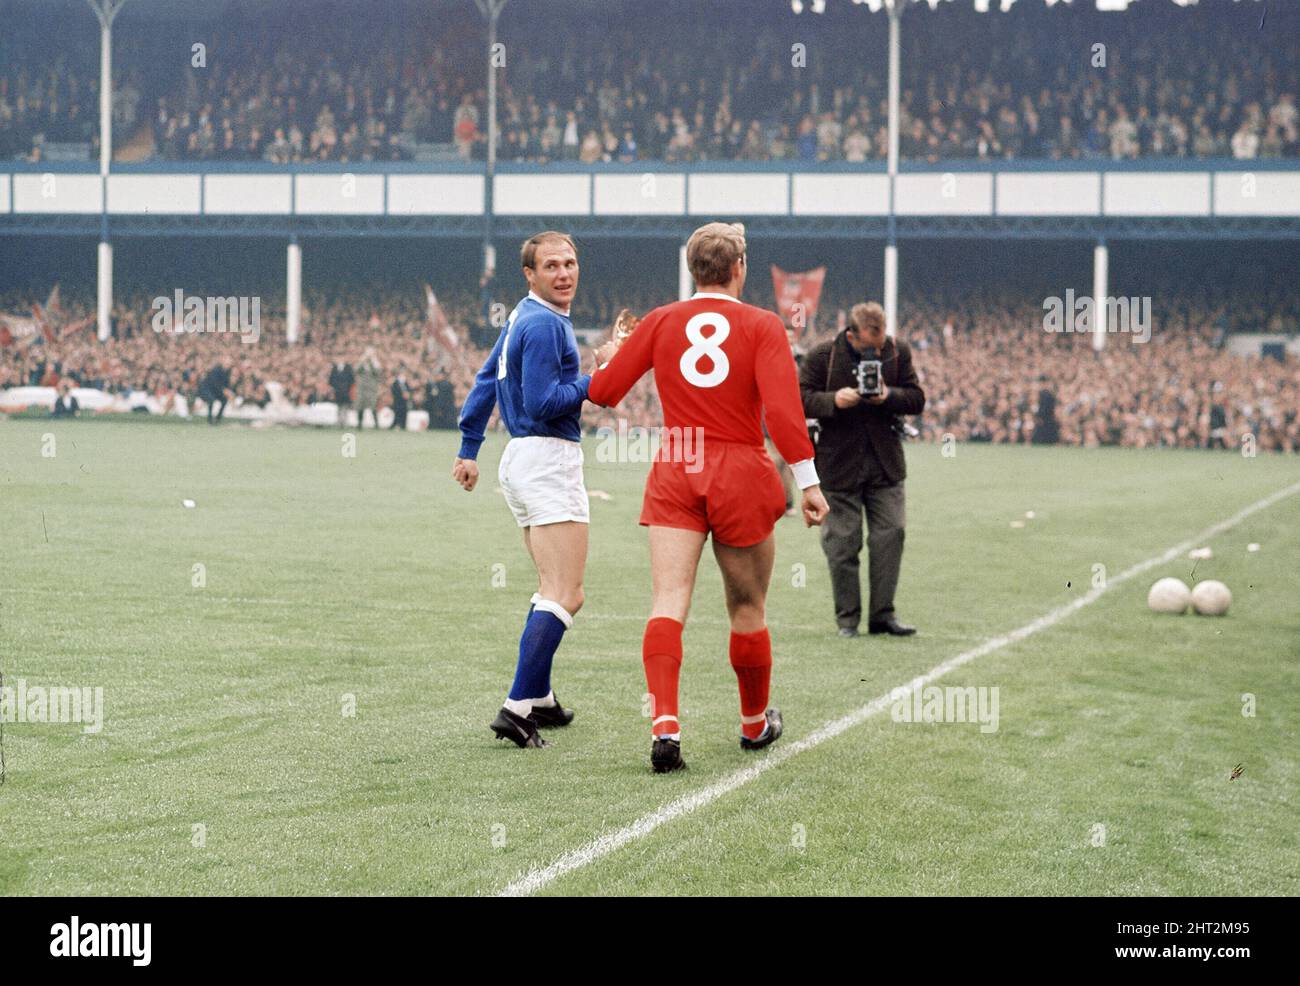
465	472
815	507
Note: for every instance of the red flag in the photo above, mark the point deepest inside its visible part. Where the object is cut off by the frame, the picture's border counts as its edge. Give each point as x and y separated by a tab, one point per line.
43	323
797	295
438	321
72	328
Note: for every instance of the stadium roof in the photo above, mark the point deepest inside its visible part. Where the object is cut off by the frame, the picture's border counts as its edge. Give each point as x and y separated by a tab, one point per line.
818	6
191	8
208	10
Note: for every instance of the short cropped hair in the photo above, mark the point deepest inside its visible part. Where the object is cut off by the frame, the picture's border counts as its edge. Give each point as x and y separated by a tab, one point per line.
713	249
528	253
867	315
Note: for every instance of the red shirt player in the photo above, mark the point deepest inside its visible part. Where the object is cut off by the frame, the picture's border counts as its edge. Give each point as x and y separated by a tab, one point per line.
721	368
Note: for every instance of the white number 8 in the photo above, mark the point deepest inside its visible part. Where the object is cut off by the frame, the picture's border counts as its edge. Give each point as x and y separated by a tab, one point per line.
702	345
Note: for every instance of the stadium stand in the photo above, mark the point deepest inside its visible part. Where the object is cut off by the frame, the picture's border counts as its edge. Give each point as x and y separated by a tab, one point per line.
985	360
327	89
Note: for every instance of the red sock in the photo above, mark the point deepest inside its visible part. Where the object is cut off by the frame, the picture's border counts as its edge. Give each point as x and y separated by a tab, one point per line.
661	652
751	658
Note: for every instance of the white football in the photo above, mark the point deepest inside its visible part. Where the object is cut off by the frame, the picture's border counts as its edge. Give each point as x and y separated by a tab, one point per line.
1169	596
1211	598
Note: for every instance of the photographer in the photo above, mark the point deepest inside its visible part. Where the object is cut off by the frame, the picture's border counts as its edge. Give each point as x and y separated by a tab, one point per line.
857	385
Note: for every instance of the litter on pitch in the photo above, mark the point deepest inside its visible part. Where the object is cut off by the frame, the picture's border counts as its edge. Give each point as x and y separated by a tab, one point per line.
1200	554
187	504
1252	546
1017	523
1029	515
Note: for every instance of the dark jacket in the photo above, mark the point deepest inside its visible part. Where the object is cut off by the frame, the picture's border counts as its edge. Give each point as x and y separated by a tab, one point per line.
340	381
215	384
65	406
443	412
401	392
849	435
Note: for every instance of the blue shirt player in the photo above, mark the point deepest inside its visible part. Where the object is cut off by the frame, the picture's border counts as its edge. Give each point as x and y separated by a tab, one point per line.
533	376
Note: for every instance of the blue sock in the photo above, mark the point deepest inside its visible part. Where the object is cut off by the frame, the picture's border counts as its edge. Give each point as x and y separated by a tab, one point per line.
541	638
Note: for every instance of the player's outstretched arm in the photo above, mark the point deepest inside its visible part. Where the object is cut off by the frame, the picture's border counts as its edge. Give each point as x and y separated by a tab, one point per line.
620	333
545	397
629	364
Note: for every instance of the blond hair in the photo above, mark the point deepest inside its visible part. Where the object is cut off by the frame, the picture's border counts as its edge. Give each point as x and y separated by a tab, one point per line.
528	252
867	314
713	249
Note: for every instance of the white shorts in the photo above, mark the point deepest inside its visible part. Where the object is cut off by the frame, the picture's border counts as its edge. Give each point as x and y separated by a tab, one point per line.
542	480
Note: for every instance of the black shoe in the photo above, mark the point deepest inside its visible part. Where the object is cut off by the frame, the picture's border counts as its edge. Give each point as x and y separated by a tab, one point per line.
666	755
554	715
518	730
848	631
891	626
773	733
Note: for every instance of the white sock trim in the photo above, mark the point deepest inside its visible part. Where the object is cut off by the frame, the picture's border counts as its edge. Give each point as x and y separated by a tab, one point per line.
547	701
750	720
519	706
663	719
537	598
556	610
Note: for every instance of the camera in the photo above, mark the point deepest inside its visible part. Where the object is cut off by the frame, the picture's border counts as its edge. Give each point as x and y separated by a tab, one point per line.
869	378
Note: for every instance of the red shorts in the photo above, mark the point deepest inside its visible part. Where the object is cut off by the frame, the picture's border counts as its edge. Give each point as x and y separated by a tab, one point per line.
735	493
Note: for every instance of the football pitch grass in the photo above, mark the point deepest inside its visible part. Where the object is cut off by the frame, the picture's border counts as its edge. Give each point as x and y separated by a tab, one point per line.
312	719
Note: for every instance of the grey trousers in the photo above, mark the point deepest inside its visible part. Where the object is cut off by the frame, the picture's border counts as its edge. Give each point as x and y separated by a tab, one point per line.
883	504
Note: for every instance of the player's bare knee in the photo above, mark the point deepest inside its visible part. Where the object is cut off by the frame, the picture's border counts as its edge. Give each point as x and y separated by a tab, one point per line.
670	607
749	611
747	592
574	599
748	619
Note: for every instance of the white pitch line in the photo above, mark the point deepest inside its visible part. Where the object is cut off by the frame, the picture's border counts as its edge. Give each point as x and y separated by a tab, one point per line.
535	879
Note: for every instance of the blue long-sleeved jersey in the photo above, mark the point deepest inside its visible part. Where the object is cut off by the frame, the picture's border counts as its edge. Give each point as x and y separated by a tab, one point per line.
532	374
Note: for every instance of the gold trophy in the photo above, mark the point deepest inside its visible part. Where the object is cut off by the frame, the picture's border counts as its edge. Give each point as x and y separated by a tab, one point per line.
623	325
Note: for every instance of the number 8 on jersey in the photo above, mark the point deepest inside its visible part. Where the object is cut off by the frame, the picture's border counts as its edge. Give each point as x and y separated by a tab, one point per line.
710	346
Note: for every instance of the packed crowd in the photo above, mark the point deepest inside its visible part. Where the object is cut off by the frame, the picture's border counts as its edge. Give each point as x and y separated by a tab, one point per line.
165	365
990	371
1027	90
1066	83
993	375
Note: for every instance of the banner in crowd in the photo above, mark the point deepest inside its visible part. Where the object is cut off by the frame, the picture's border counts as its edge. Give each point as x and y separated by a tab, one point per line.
439	323
79	326
48	322
797	295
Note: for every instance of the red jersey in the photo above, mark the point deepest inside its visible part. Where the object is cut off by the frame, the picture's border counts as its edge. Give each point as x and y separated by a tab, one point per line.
720	365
